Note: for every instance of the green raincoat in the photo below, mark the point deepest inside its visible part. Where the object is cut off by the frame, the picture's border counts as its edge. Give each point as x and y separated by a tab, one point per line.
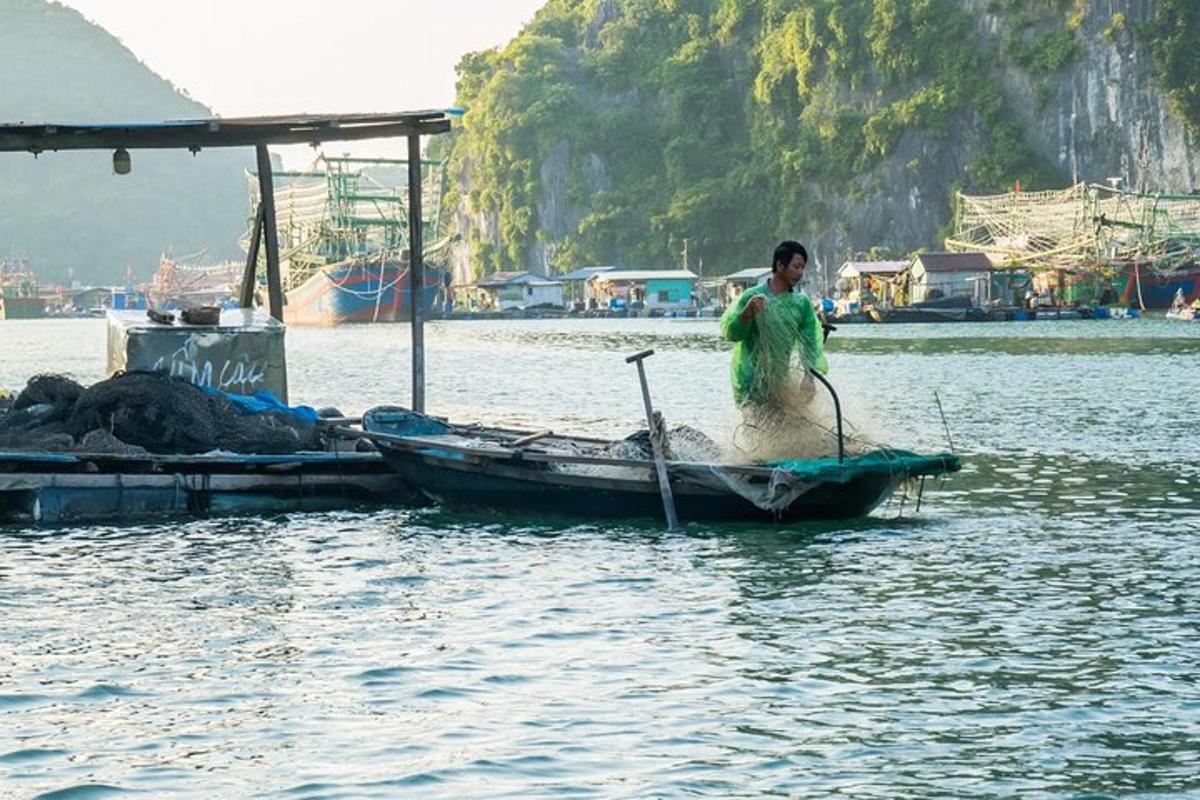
788	322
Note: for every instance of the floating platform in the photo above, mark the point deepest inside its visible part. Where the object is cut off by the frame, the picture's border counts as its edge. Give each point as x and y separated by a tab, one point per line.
59	488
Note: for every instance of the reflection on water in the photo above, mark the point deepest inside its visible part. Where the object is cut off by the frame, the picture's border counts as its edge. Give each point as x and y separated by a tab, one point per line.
1068	488
1031	633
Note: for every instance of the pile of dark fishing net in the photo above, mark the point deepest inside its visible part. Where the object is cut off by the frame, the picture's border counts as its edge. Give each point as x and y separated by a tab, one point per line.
136	412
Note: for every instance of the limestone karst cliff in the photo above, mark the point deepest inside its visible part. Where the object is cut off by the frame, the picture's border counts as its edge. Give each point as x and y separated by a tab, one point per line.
611	131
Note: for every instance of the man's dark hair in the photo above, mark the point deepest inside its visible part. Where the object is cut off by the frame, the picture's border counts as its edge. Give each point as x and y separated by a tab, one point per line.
785	251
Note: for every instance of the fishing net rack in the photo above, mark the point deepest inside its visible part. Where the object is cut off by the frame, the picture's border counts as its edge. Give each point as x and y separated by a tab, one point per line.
1083	228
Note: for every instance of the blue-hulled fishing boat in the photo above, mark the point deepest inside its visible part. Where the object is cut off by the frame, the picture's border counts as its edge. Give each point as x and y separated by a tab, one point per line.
348	219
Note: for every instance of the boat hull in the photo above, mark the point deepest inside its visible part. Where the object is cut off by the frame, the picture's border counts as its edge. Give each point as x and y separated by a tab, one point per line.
910	314
948	309
1158	290
491	486
22	307
359	292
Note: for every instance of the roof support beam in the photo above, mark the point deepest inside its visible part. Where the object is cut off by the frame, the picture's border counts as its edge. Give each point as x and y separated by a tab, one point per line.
266	202
201	134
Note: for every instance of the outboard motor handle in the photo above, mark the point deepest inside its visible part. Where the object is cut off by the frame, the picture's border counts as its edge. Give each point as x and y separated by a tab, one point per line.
837	410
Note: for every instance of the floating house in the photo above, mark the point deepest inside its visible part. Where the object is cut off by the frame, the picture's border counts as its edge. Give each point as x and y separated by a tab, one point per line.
936	275
128	298
731	286
93	299
650	288
575	283
504	290
876	277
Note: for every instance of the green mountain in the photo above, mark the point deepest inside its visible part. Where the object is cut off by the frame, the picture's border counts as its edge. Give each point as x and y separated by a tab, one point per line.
614	131
67	211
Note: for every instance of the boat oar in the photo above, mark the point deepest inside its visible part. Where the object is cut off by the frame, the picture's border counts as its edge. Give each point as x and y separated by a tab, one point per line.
656	442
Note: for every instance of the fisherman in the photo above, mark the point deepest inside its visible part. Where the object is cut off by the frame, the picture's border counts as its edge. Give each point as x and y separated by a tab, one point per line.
767	323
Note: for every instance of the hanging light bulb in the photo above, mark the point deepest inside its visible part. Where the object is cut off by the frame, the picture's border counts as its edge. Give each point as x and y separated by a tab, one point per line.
122	163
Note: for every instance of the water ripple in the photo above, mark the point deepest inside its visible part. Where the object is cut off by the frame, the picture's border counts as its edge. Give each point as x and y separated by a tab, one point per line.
1030	633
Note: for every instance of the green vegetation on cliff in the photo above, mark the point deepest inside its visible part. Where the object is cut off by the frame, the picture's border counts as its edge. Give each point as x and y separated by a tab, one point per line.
728	123
1174	38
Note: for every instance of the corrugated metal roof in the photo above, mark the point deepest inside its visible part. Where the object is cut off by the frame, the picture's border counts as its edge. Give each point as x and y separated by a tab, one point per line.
748	274
584	273
514	278
955	262
874	267
647	275
220	132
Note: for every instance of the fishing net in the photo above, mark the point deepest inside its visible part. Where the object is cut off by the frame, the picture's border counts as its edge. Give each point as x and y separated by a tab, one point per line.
48	389
787	414
37	417
148	410
683	443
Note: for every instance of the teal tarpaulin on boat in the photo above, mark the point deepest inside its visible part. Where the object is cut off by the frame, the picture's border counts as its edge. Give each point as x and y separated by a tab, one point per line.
901	463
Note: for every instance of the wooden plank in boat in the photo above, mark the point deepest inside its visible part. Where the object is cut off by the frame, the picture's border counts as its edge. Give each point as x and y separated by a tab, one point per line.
419	443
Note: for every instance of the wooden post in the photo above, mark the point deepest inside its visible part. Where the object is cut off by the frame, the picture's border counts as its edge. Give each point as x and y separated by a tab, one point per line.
416	272
249	275
266	202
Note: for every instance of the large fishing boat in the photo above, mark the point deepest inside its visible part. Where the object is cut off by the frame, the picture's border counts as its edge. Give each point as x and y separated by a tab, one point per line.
1143	246
343	239
1141	285
19	296
188	281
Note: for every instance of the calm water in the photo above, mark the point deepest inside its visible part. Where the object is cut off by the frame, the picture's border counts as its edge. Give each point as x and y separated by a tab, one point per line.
1033	632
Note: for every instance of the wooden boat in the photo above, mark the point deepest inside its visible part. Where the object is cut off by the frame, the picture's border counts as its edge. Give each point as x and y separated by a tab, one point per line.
53	488
496	468
945	309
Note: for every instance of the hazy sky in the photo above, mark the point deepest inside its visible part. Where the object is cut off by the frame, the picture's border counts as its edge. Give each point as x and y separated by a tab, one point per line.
247	57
